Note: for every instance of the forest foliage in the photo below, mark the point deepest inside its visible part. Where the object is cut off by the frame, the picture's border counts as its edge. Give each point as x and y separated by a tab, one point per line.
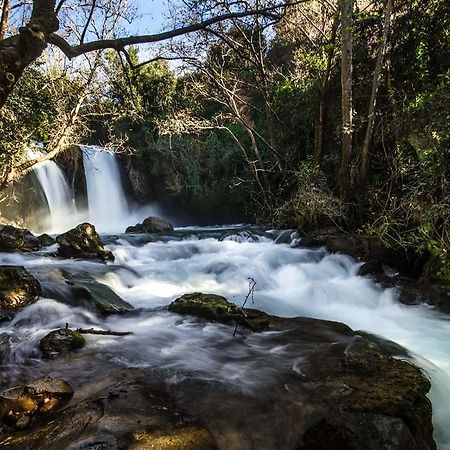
249	121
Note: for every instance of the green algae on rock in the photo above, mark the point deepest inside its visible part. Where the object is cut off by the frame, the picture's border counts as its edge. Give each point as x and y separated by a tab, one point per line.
61	341
218	309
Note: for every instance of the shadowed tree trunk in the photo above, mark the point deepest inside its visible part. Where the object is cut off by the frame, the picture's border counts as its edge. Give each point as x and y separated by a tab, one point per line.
347	97
4	18
373	96
325	90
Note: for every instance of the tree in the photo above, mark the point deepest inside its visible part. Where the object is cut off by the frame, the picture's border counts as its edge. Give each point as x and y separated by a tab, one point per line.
20	50
80	29
347	96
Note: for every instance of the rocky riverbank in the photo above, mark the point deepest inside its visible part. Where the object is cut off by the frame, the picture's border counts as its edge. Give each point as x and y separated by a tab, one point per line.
297	383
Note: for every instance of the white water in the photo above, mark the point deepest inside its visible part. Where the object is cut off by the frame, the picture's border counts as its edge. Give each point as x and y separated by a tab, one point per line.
290	282
108	207
59	196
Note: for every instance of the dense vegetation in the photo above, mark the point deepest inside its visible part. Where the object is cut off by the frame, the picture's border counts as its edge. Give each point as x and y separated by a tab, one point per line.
252	123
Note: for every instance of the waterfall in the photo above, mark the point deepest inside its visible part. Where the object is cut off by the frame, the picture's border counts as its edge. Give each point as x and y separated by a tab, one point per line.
108	206
60	197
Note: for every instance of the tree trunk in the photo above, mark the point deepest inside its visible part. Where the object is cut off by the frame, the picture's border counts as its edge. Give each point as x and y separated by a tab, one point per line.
4	19
325	89
347	97
19	51
373	96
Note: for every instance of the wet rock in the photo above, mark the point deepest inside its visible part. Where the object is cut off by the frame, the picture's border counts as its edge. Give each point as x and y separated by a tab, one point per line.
121	410
18	287
60	341
371	268
20	404
18	240
46	240
94	296
314	385
151	225
239	236
84	242
218	309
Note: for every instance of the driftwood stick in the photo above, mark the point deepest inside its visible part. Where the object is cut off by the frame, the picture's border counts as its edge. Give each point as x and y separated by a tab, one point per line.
103	332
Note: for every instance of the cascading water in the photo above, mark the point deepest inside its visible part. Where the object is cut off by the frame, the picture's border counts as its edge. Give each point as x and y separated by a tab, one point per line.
290	282
108	207
59	195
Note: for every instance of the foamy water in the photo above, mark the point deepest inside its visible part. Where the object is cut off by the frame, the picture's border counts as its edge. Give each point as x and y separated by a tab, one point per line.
289	281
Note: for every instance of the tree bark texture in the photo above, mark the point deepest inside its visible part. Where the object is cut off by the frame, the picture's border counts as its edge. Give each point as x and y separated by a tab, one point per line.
347	97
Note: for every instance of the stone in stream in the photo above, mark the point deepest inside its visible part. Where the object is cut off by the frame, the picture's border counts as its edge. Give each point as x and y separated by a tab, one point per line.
96	296
84	242
18	287
14	239
20	404
151	225
218	309
61	341
46	240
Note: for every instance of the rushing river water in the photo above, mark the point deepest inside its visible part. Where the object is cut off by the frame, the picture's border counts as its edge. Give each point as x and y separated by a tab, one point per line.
289	281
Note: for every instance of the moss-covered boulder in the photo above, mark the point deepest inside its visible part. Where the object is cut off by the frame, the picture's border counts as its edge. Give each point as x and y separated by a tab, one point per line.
61	341
18	287
14	239
19	405
83	242
218	309
151	225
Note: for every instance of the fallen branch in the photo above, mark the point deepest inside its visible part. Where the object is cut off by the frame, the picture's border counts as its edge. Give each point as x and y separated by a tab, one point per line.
103	332
250	294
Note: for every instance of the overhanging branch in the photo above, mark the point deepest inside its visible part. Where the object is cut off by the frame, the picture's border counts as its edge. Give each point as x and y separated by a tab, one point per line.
120	43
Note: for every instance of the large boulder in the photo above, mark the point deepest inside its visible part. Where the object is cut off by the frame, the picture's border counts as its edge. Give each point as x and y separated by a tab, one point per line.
61	341
91	295
151	225
18	287
218	309
18	240
84	242
19	405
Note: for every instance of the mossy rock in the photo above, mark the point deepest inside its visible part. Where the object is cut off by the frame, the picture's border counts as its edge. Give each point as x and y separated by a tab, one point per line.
83	242
61	341
218	309
18	287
